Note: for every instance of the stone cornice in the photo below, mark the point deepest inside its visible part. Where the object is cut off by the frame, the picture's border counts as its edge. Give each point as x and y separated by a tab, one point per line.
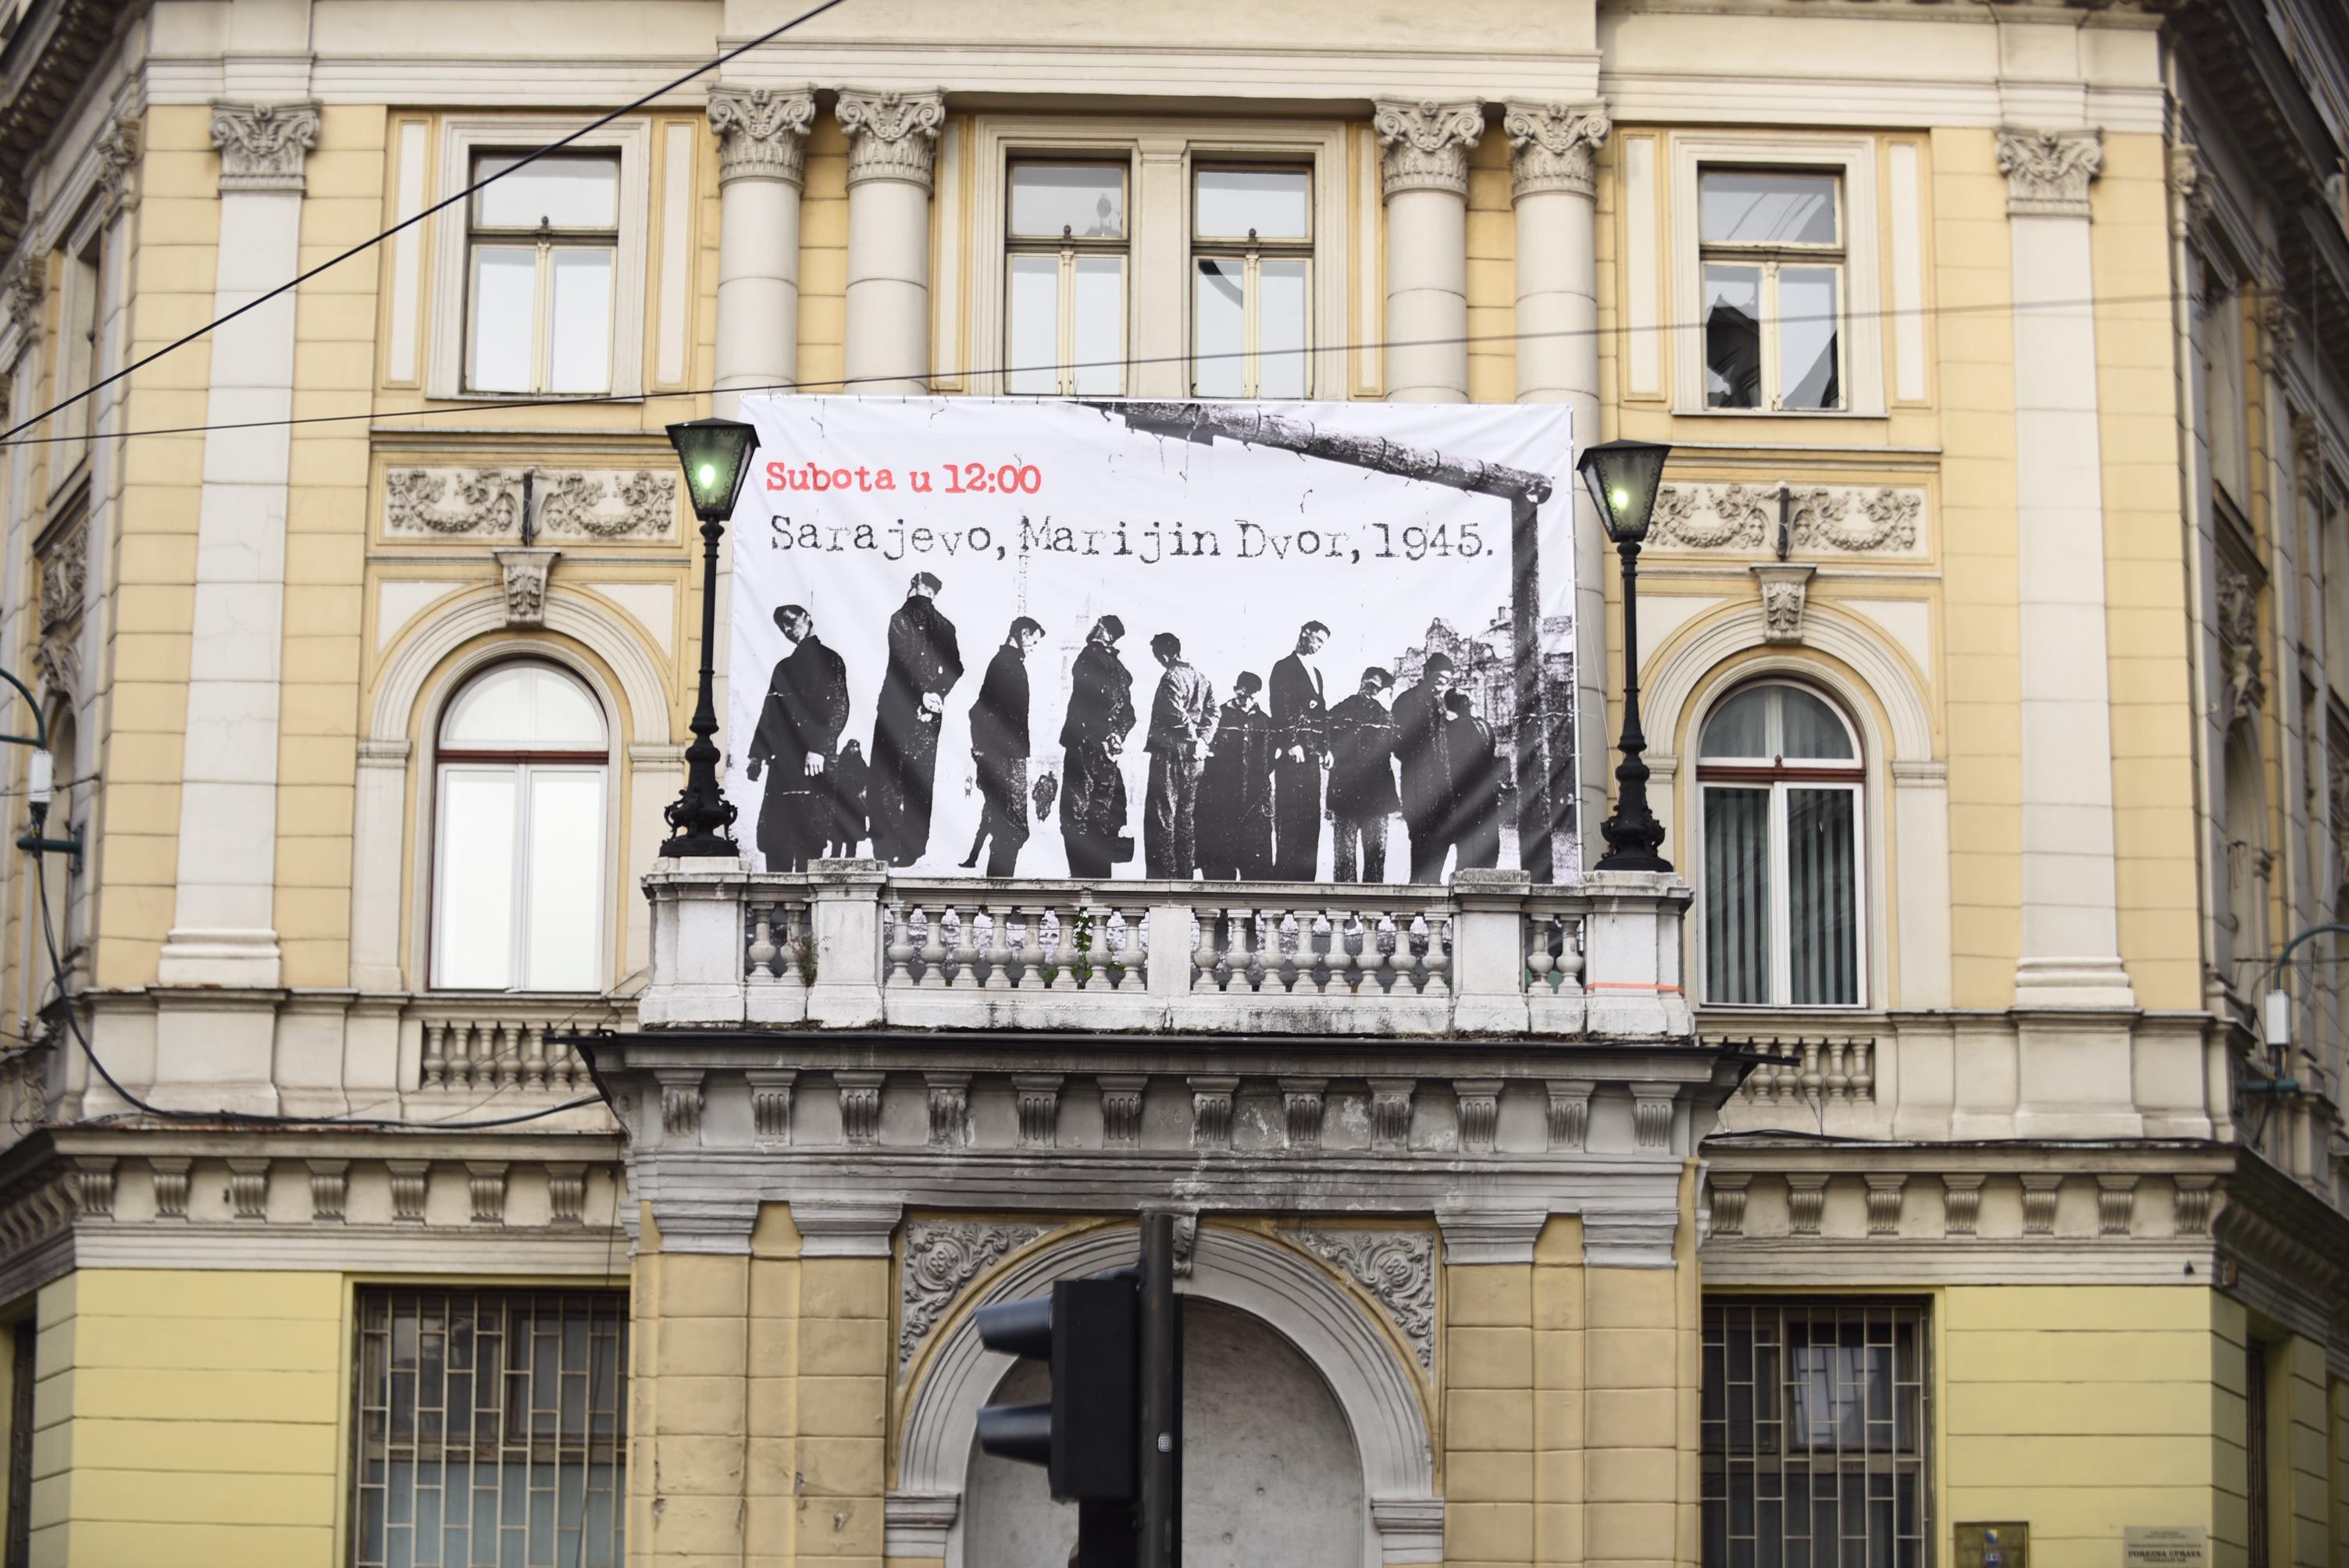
262	146
2048	171
891	136
1427	143
762	132
1551	145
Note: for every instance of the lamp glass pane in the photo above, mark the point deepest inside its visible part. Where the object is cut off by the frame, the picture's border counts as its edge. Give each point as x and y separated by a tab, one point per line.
715	453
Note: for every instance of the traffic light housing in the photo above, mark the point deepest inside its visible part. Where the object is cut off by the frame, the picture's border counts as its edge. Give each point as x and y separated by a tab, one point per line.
1086	1438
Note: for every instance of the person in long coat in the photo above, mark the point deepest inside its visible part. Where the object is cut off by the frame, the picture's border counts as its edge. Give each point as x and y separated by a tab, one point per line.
794	744
999	751
1475	821
1235	791
1182	718
1361	779
1299	709
1423	756
1092	736
924	663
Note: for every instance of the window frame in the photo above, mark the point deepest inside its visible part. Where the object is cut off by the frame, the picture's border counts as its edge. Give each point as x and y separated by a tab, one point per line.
1160	154
544	241
1251	251
434	797
1772	259
1859	336
464	137
1781	778
1069	248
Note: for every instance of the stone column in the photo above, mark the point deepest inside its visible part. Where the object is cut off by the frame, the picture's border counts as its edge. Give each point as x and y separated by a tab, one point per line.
1551	146
893	139
222	929
2071	942
1426	185
762	158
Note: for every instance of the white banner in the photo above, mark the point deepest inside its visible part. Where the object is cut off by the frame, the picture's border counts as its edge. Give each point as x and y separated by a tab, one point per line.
1296	641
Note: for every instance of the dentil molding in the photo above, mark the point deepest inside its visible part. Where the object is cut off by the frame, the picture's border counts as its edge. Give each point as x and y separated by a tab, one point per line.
1427	143
261	145
892	136
2048	171
1551	145
761	132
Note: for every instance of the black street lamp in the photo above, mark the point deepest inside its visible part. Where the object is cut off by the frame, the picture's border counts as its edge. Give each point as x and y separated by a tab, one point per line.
1623	477
717	455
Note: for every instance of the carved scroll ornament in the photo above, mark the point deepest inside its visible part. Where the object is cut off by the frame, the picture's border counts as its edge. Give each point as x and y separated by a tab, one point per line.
1397	1268
941	1260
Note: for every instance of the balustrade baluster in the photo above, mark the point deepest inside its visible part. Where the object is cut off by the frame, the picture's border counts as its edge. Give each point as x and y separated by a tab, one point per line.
899	960
762	950
435	1067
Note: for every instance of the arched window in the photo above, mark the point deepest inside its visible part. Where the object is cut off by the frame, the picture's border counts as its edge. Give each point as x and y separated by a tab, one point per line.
518	844
1779	770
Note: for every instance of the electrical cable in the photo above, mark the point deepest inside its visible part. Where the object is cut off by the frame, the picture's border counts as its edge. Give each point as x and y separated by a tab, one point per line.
475	408
295	282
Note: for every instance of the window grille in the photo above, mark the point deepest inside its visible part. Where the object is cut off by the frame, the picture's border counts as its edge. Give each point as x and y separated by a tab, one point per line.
1815	1415
491	1429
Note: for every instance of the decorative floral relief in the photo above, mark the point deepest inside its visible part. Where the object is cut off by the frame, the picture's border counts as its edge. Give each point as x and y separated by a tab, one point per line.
1852	519
1397	1267
2238	647
65	569
609	506
451	501
941	1259
591	503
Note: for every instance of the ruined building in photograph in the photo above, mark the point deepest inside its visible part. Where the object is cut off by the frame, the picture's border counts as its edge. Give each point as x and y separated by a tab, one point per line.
404	1167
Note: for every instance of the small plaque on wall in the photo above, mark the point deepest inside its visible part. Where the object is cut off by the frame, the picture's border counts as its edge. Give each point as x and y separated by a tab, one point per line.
2164	1546
2002	1543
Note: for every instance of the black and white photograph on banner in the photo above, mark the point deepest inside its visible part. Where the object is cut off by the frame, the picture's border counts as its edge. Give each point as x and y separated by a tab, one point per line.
1264	642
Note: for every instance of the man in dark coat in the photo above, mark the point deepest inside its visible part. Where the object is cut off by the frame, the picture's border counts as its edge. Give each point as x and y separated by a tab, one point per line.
1298	711
1423	753
1475	819
999	751
799	728
924	662
1361	779
1100	716
1182	716
1235	791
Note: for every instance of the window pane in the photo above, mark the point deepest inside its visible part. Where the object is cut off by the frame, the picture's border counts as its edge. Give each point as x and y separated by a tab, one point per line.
1085	199
1100	325
1812	729
563	190
1740	726
1280	329
1218	322
472	895
503	314
1733	336
563	926
525	707
1031	335
1821	897
1766	207
1270	203
1807	324
580	359
1737	896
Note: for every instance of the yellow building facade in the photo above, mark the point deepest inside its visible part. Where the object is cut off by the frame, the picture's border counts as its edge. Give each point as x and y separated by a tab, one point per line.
1940	1190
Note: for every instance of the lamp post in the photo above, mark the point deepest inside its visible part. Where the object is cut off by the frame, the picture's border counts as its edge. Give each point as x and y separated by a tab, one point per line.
1623	477
717	455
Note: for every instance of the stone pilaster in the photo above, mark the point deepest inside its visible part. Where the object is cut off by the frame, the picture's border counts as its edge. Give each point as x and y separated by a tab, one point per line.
1425	178
892	140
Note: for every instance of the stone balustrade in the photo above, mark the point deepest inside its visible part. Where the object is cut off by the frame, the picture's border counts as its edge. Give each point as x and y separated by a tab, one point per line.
848	945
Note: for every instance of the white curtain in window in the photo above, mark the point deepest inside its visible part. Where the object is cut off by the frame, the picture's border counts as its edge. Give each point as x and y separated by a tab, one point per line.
1821	884
1737	894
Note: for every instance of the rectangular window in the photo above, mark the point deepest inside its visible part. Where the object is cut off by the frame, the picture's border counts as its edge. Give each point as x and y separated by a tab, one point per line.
1815	1423
1064	288
77	353
542	250
2332	548
1772	245
2220	317
1252	286
491	1427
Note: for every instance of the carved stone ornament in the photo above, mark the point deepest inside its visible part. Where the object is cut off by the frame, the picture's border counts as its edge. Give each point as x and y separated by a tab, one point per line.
2238	648
1427	143
452	501
525	573
892	136
65	574
2190	181
941	1259
1786	594
589	505
1397	1268
261	145
761	133
2047	172
1850	519
118	156
1551	145
21	291
2279	331
58	660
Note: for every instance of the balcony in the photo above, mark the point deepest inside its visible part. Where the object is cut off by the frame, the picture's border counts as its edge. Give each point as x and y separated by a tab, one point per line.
850	946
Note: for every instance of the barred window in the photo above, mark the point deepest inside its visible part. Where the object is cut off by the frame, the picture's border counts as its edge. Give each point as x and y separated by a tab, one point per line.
491	1429
1815	1434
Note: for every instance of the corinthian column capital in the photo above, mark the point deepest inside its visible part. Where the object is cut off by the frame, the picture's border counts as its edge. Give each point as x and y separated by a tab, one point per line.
1551	145
891	136
1427	143
761	132
261	145
2047	172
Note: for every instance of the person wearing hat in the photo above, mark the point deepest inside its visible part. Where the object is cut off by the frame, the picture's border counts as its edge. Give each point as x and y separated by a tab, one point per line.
798	730
1299	714
1182	716
1092	737
1361	779
1476	818
999	751
1235	791
1424	751
924	663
